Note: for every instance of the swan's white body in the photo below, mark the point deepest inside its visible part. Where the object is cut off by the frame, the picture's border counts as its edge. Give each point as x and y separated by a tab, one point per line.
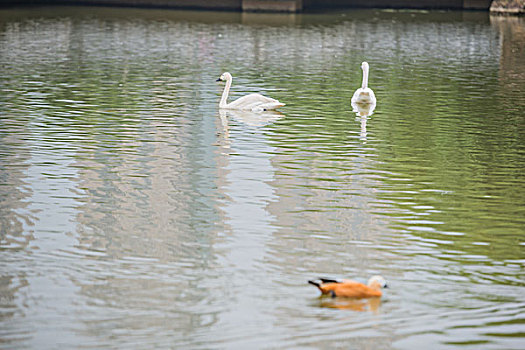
251	102
364	95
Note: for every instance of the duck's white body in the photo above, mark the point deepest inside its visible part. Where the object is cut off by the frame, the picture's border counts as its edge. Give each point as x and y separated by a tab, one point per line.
251	102
364	95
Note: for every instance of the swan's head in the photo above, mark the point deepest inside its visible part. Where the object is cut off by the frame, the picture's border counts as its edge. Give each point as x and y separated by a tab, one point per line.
378	281
364	66
225	77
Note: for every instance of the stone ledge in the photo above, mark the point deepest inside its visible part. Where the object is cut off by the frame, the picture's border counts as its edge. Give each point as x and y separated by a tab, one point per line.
272	5
507	11
508	7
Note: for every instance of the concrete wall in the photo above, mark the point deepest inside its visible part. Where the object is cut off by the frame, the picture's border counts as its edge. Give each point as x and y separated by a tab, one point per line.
413	4
273	5
268	5
231	5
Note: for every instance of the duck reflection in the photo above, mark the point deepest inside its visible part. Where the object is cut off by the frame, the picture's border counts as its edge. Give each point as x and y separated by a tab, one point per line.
353	304
254	119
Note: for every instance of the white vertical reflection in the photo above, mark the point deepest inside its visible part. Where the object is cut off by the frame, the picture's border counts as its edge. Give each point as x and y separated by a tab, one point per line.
247	172
52	206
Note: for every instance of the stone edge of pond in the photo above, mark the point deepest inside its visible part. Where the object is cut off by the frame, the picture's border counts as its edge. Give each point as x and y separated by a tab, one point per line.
508	7
507	11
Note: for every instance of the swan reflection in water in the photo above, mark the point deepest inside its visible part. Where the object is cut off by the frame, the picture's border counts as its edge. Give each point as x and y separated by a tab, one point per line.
253	119
249	118
361	305
363	111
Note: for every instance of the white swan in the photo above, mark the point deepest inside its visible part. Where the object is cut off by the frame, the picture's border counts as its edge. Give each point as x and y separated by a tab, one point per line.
251	102
364	95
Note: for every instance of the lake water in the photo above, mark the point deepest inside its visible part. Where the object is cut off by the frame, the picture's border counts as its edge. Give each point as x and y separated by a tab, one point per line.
134	215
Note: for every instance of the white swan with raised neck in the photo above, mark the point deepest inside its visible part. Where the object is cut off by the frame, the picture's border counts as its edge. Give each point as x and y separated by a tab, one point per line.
251	102
364	95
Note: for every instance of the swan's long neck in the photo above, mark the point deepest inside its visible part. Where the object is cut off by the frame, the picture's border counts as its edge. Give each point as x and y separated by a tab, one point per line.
365	78
225	93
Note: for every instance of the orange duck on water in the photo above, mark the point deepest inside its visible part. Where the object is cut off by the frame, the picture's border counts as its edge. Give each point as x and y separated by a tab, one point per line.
349	288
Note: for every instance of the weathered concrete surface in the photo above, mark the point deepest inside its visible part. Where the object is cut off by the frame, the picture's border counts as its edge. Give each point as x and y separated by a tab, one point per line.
231	5
272	5
269	5
508	7
414	4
